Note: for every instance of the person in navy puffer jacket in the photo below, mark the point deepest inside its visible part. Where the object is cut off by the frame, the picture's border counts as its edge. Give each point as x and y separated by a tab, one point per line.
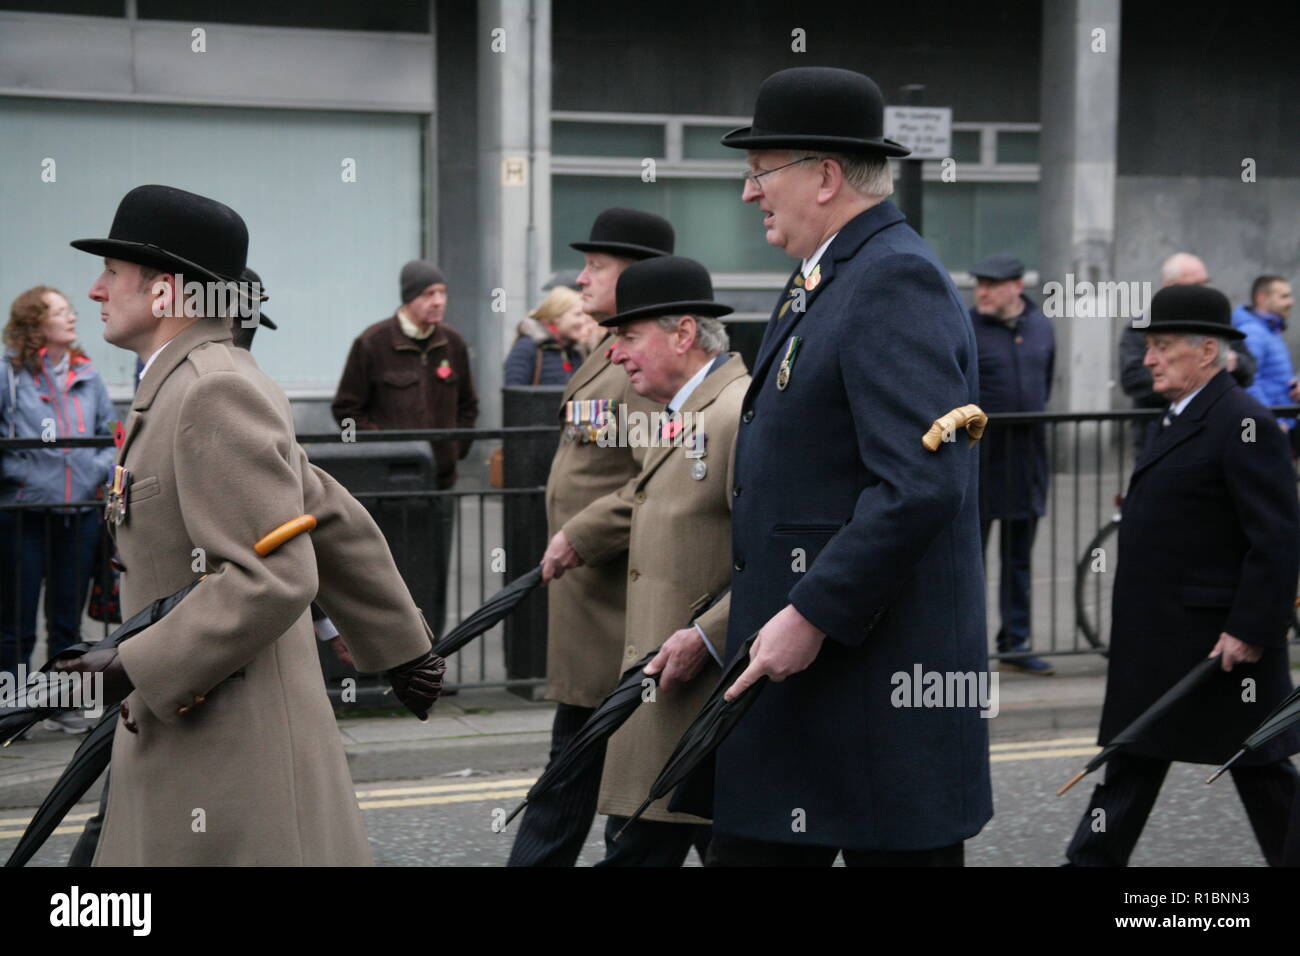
1263	321
48	387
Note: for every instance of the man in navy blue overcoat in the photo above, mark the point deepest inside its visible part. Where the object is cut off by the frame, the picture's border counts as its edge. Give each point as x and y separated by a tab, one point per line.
856	551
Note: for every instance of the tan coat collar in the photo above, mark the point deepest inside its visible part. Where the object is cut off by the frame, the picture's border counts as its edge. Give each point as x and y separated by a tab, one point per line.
705	394
176	352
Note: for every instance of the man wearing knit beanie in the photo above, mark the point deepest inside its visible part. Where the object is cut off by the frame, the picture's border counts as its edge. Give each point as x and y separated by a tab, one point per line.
411	370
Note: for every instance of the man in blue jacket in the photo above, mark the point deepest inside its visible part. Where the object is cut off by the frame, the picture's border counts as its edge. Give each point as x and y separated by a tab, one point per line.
1017	351
1264	321
856	551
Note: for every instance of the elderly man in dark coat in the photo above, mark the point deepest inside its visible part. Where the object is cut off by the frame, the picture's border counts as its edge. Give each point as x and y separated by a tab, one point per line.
856	551
1017	350
1209	552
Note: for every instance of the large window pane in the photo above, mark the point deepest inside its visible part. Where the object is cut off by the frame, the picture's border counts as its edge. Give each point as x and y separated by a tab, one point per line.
701	142
328	249
966	145
712	224
629	140
1016	147
966	221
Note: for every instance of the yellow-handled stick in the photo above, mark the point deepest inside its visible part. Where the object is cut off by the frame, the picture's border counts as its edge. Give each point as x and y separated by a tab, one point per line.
290	529
970	417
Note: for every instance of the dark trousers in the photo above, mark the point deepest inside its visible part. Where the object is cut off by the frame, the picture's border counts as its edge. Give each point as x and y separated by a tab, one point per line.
653	842
1015	546
737	851
84	851
58	549
555	825
444	528
1129	792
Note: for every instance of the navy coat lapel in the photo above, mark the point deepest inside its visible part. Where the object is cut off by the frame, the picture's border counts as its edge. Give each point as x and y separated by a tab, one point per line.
845	245
1185	425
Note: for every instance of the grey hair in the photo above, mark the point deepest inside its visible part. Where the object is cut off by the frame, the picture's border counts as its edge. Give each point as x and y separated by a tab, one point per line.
710	333
1176	266
1221	357
869	175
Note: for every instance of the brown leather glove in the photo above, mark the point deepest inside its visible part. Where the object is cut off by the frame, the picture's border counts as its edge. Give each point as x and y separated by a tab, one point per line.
418	683
117	685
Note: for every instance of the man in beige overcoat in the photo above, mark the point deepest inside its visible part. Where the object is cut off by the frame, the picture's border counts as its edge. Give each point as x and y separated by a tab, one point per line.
227	752
585	565
673	348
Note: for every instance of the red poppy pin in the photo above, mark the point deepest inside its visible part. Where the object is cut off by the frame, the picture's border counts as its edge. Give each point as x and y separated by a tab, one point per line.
444	369
119	435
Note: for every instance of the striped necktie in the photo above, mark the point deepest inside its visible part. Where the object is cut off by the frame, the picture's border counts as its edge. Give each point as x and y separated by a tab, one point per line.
796	290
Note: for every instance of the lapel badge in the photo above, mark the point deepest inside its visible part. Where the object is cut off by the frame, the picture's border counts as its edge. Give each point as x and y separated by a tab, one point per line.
814	278
787	362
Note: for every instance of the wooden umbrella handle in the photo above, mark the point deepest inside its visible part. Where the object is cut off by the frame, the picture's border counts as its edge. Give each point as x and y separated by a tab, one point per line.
970	417
290	529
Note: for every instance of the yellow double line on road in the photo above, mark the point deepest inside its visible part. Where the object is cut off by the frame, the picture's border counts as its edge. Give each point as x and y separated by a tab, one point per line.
517	788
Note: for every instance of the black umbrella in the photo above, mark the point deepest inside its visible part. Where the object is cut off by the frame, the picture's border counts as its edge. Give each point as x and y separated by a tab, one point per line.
83	769
1285	716
709	728
1190	681
15	720
581	750
496	608
612	713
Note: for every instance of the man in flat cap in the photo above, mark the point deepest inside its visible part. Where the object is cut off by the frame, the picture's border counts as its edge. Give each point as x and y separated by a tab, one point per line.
227	751
1017	352
1209	552
673	348
855	550
585	564
412	370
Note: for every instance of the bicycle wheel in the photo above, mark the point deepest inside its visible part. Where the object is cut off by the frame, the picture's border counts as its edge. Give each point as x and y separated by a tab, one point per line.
1093	582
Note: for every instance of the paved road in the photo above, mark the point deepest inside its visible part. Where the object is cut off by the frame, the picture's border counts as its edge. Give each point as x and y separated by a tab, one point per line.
447	821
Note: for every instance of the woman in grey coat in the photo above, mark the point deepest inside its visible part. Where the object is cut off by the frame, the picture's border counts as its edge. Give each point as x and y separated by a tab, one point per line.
48	389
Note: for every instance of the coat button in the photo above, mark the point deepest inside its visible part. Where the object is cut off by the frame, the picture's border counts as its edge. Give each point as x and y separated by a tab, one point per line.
640	497
634	574
740	564
735	492
631	653
748	416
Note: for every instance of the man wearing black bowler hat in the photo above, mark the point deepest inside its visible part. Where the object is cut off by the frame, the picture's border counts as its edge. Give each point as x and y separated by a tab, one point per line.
585	564
222	704
1017	351
1209	552
856	551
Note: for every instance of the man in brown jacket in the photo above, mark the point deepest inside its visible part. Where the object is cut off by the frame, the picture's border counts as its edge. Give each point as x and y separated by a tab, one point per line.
411	370
227	751
674	350
589	527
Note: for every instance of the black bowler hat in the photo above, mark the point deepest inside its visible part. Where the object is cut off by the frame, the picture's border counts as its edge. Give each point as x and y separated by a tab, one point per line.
668	285
818	107
248	275
1191	308
630	233
998	267
176	231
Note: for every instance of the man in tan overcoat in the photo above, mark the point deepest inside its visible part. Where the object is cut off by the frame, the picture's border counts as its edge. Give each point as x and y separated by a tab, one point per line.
585	565
673	348
227	751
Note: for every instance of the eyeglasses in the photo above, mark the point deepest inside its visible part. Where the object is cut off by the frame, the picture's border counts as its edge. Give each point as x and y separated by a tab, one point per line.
753	177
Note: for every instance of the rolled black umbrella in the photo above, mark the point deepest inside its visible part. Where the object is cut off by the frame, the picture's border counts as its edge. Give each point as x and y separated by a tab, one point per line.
581	750
85	767
497	607
612	714
1285	716
15	720
710	728
1190	681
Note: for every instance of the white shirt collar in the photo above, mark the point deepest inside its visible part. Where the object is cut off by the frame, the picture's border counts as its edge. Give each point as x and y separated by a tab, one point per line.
149	361
1178	406
692	383
811	262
